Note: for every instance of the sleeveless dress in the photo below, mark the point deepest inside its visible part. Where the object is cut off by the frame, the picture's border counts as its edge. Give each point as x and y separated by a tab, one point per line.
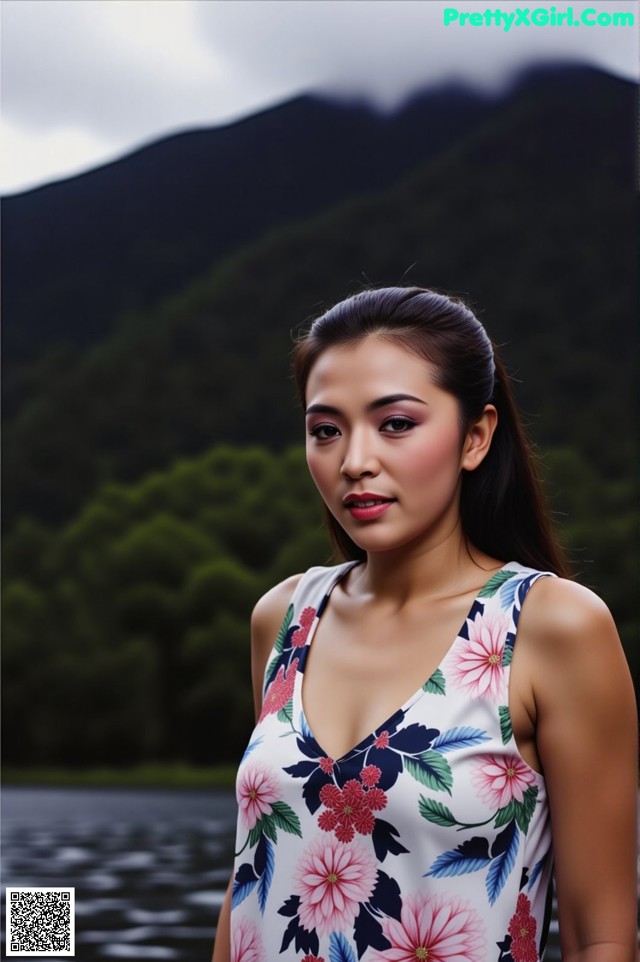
430	839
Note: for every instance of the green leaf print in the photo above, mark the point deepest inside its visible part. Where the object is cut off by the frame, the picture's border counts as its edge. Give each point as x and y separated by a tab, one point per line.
286	714
521	811
284	627
495	582
285	818
526	808
505	724
272	664
507	655
430	769
255	833
436	685
506	814
268	827
436	812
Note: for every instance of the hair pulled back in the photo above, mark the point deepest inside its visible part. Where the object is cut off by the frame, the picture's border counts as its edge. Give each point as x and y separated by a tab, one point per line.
501	504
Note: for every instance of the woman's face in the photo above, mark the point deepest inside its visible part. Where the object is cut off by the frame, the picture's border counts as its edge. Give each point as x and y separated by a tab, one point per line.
384	444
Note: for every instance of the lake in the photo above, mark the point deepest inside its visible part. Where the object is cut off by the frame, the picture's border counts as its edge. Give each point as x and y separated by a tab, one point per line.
150	867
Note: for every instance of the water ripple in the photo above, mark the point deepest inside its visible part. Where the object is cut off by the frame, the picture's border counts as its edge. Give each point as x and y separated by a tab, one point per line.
150	868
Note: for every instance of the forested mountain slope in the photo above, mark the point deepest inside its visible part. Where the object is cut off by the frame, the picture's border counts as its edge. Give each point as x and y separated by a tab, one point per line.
532	215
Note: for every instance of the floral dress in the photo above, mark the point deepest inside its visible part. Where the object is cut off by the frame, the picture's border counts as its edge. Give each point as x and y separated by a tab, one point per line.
429	840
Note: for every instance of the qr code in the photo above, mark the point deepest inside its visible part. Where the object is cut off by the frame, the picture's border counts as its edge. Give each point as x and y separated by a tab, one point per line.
40	921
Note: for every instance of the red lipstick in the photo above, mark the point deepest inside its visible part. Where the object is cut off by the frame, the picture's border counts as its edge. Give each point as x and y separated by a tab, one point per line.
366	505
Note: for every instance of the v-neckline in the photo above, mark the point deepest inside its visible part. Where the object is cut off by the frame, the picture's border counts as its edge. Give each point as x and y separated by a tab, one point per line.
419	693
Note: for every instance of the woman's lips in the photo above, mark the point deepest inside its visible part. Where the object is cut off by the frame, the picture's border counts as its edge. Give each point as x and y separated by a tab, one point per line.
368	508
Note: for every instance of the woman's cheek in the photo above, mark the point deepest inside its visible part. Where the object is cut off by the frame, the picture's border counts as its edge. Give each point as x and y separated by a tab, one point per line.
439	457
319	476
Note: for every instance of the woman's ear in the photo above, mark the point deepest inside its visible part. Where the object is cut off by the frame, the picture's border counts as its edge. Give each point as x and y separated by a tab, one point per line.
478	439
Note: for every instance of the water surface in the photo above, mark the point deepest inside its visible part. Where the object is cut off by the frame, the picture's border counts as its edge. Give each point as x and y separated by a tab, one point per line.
149	866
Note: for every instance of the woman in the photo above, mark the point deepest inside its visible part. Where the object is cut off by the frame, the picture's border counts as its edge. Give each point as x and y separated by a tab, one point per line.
430	830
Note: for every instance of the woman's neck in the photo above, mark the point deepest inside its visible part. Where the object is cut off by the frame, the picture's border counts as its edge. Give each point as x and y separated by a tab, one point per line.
430	570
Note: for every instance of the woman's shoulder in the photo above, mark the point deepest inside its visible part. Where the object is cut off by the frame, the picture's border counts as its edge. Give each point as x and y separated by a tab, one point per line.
570	647
561	607
273	604
270	609
565	623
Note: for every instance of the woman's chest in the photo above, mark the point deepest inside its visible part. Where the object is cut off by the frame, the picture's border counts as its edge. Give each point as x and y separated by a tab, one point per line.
358	672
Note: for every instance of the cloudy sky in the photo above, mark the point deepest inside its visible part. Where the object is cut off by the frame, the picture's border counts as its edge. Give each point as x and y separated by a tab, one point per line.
85	81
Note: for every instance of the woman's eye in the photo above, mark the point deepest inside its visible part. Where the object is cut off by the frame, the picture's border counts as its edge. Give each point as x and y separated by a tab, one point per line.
324	431
398	425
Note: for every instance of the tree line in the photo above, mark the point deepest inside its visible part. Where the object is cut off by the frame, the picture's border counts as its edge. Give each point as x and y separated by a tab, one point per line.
126	632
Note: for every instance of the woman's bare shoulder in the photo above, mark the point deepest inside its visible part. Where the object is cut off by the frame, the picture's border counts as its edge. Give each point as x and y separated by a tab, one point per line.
270	610
572	642
566	614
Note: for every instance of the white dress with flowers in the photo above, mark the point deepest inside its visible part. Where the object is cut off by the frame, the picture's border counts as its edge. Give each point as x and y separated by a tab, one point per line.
429	840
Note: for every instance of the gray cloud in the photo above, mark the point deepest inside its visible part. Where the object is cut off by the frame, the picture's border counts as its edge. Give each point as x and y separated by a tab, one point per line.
125	71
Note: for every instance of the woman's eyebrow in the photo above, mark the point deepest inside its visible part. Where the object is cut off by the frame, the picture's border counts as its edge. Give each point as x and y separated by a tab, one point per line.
373	406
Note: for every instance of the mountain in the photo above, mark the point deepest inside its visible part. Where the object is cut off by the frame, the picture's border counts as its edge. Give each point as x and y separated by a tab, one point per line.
530	214
79	253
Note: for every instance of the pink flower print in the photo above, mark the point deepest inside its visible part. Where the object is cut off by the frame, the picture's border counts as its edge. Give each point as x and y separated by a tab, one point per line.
436	930
255	794
333	880
382	741
349	810
280	690
246	944
502	779
313	958
522	929
370	775
326	764
300	635
477	663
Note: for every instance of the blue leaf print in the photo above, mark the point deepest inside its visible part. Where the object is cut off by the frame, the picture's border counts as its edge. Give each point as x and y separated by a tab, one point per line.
305	731
455	738
250	747
523	590
267	876
454	863
508	592
243	884
537	868
506	845
468	857
339	950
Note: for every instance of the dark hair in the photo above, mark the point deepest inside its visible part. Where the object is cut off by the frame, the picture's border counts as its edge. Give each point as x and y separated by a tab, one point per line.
501	503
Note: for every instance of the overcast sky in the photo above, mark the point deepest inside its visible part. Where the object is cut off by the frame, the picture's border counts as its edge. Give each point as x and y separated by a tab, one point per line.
86	81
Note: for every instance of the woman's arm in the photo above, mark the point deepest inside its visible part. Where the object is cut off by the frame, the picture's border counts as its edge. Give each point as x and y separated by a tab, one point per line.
587	741
266	618
222	945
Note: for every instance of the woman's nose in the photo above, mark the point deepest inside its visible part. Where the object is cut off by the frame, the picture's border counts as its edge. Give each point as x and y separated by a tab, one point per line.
360	457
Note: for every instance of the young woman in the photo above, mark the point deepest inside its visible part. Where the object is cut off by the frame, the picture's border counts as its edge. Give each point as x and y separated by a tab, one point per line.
445	720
